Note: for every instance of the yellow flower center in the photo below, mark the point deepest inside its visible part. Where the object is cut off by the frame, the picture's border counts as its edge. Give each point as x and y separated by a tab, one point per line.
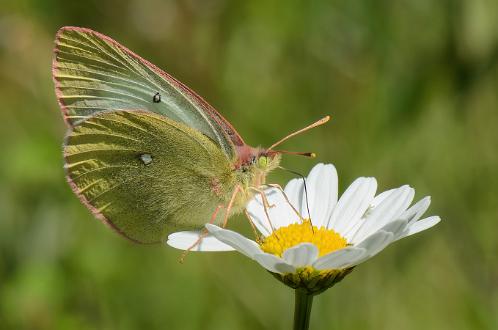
283	238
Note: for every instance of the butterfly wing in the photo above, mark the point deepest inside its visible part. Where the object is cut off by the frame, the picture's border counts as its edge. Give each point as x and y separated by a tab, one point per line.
93	73
144	174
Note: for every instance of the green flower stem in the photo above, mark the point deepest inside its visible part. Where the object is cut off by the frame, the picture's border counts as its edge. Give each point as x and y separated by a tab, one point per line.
302	310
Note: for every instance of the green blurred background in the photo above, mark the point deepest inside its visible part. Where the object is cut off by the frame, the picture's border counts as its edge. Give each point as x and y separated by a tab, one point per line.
413	90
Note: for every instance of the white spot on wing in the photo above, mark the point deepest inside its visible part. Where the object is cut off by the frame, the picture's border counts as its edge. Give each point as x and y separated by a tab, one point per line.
146	158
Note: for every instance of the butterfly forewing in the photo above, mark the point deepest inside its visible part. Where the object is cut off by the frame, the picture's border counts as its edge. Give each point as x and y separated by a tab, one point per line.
145	174
94	73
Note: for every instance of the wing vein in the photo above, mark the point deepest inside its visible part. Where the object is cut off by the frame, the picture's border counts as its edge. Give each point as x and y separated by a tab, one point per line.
98	169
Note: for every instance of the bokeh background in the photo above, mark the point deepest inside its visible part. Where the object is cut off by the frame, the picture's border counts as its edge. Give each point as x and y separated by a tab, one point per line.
413	90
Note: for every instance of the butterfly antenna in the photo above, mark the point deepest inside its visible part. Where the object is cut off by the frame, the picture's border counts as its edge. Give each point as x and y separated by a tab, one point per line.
315	124
305	192
305	154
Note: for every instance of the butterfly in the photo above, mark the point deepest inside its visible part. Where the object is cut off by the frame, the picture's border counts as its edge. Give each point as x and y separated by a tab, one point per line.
143	152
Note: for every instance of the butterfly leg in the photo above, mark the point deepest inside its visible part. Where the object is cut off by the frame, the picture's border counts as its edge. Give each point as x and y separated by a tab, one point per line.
266	205
264	199
237	190
204	232
279	187
256	234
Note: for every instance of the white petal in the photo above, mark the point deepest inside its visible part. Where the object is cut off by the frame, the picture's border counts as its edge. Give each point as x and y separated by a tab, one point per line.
273	263
280	213
423	224
301	255
385	236
339	259
353	204
184	240
397	227
238	242
417	210
322	193
381	197
389	209
294	191
374	244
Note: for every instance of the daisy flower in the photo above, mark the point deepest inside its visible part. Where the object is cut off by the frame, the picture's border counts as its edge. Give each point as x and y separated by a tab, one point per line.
315	250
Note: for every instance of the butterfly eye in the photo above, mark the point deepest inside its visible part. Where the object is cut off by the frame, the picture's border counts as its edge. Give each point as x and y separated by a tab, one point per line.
263	161
156	98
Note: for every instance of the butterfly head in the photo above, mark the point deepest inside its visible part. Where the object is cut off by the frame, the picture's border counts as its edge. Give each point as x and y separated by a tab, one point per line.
255	163
257	159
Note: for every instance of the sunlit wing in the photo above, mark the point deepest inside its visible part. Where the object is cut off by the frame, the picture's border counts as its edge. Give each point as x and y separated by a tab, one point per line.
94	73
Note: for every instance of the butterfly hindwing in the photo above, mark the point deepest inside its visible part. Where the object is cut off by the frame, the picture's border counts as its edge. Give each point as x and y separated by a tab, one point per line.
145	174
93	73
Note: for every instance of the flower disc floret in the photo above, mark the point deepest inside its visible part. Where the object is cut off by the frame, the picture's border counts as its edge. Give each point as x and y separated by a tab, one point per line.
283	238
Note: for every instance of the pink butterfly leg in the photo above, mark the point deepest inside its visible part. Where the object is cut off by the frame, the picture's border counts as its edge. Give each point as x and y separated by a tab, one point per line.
276	185
279	187
237	189
266	205
203	234
256	234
